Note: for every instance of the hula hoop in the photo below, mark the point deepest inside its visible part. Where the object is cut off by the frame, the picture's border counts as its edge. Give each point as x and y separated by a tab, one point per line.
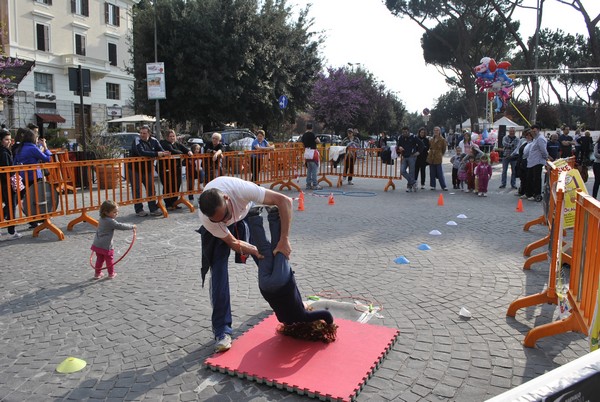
120	258
327	192
360	193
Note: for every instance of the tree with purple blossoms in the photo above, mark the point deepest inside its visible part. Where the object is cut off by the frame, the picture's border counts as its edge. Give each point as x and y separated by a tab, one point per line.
345	98
6	63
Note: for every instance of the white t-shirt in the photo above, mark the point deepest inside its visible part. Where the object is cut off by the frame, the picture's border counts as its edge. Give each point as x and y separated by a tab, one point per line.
242	196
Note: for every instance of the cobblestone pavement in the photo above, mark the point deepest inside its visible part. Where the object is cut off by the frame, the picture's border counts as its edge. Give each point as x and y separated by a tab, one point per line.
145	334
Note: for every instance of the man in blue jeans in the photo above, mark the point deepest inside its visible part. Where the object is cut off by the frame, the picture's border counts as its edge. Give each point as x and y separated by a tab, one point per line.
409	146
310	141
510	145
224	204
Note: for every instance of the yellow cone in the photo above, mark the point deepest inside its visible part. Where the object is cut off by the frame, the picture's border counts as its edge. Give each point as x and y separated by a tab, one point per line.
71	365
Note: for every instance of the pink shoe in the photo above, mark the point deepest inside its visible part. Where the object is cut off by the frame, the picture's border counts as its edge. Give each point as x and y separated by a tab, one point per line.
113	275
99	276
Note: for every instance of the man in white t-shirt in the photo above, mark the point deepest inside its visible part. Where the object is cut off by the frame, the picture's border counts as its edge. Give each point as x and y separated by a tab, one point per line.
224	204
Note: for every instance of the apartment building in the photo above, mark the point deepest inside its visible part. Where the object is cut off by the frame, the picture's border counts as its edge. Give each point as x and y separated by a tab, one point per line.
55	35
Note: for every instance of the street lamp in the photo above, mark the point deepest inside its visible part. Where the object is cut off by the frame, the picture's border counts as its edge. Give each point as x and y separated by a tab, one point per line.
157	103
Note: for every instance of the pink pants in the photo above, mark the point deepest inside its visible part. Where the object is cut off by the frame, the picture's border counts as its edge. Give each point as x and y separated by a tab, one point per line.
102	255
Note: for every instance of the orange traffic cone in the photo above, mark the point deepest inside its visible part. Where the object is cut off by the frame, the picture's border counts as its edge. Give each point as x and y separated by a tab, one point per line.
519	206
301	196
301	203
331	200
441	201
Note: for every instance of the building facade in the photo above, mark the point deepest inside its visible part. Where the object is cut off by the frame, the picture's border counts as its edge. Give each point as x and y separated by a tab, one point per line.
59	35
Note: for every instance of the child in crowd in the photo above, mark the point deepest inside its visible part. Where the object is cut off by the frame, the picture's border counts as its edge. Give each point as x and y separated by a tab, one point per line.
194	172
455	160
470	168
483	171
103	245
462	171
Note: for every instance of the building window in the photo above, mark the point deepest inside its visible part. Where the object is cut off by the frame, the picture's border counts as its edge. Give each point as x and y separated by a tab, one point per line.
80	7
43	37
112	54
47	2
111	14
80	45
113	91
43	82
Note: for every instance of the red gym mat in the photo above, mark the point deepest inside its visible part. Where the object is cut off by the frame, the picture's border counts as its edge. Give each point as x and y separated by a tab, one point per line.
336	371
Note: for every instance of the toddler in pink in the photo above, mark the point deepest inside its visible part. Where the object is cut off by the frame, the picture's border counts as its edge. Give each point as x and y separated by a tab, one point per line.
483	172
103	245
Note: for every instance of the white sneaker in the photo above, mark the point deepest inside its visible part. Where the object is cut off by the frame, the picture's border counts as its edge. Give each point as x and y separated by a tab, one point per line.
142	213
14	236
158	212
223	343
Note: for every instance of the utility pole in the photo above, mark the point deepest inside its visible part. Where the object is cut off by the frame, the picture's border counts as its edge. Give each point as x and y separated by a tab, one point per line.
157	103
535	83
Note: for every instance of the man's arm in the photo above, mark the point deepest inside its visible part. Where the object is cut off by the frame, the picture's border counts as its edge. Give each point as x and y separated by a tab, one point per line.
284	204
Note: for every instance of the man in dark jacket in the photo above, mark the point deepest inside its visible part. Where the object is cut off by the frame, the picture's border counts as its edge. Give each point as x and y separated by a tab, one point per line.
142	173
409	146
170	169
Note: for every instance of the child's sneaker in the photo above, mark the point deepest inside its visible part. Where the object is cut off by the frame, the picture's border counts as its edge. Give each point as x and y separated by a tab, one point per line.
113	275
99	276
485	194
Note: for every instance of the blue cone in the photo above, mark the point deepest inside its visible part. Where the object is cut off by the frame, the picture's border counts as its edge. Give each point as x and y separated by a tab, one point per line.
424	247
401	260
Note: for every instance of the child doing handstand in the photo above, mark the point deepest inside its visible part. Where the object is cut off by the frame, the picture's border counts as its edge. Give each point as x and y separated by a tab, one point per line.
278	286
103	245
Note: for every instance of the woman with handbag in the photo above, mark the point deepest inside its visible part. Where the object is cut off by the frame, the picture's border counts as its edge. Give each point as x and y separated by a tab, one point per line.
10	183
28	153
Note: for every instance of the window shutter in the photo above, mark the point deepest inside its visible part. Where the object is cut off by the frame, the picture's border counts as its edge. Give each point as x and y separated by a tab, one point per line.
49	2
112	54
106	16
86	8
117	17
73	6
41	38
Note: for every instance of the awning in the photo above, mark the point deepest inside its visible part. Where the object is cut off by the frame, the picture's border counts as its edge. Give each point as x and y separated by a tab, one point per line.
50	118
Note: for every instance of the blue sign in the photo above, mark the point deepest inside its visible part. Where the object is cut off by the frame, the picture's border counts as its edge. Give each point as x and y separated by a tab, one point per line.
283	101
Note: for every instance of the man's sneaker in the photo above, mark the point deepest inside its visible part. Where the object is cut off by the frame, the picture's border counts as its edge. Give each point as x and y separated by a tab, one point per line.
415	188
502	186
142	213
531	199
113	275
157	212
514	187
523	197
350	183
13	236
409	189
317	188
223	343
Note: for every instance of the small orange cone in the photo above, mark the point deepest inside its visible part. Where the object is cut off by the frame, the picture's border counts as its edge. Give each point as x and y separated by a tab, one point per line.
301	196
441	201
331	200
520	206
301	203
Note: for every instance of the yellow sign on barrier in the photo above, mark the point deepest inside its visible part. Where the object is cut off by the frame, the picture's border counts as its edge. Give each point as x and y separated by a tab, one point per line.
573	183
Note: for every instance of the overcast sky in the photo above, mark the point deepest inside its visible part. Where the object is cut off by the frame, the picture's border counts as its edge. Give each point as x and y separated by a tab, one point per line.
365	32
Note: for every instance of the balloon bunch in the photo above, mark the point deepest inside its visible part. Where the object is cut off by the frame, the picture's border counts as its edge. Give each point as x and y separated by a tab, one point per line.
492	77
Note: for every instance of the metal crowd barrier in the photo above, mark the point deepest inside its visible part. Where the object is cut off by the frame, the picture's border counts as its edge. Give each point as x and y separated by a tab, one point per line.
79	187
584	275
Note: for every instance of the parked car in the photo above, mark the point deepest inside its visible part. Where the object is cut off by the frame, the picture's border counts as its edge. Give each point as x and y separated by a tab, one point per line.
230	136
195	140
329	139
124	140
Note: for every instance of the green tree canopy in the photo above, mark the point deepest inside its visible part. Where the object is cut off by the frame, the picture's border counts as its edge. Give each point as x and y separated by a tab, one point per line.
226	60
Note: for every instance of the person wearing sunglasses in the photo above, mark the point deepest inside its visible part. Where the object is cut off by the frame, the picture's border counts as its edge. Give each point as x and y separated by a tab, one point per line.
224	205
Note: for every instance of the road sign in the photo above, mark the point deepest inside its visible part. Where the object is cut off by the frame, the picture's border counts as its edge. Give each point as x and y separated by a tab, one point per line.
283	102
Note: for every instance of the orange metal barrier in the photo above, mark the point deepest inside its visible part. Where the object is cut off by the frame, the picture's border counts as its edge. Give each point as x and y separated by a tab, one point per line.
549	217
553	176
549	295
37	202
357	162
584	275
80	187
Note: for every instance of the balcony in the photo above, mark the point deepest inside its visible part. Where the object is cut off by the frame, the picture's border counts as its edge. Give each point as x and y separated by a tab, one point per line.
98	68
